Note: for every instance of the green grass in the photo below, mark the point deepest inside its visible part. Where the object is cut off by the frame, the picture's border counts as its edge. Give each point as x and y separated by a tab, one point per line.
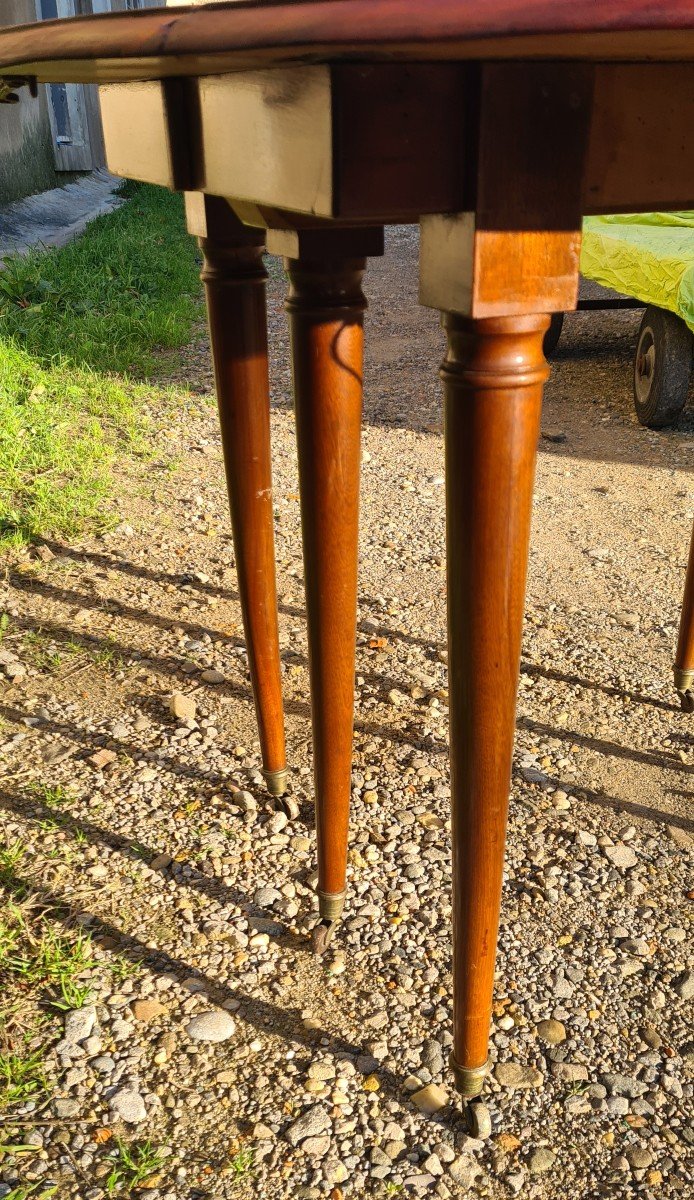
41	651
21	1077
242	1165
132	1166
80	328
107	300
52	795
31	1191
41	973
10	858
34	956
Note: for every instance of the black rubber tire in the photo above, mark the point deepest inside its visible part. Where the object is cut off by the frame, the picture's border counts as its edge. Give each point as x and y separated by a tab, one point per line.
551	338
662	368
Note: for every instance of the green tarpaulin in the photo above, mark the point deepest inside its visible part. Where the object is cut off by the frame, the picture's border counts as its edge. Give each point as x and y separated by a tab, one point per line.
649	256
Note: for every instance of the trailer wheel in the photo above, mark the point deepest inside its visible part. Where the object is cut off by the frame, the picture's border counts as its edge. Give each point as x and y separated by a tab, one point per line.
662	367
551	338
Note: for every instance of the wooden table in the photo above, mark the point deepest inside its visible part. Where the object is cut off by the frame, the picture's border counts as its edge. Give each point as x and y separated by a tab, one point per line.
306	127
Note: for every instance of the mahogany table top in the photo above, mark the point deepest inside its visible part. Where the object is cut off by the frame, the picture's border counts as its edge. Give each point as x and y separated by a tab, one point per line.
220	38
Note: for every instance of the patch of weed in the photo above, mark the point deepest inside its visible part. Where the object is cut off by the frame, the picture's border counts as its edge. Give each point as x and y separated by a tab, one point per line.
132	1166
242	1165
34	955
22	1077
31	1191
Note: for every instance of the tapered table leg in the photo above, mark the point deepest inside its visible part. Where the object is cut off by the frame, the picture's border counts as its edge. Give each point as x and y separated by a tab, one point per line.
493	376
325	308
684	659
234	278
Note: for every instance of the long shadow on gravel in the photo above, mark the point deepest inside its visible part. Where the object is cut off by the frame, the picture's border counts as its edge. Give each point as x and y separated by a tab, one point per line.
608	689
616	804
282	1021
609	749
217	779
170	665
113	562
31	808
90	601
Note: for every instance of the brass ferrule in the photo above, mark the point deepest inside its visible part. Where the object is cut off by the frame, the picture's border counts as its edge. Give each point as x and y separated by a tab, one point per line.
684	679
469	1081
331	904
277	781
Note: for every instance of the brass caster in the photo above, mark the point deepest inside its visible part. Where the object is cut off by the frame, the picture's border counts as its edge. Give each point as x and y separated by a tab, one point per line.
276	782
469	1081
684	685
322	935
478	1119
330	906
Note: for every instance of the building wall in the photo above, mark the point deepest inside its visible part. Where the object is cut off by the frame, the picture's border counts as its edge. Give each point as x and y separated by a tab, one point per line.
27	159
26	149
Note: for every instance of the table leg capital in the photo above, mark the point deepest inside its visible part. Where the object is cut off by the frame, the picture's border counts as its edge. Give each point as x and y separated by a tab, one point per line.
494	352
326	286
232	264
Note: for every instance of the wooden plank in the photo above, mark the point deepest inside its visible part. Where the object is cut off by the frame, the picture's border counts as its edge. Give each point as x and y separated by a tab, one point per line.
488	273
640	154
74	155
164	115
146	157
390	142
398	139
266	136
353	143
94	128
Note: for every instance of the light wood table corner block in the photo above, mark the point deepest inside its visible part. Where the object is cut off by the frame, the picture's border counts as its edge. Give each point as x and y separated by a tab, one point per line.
493	273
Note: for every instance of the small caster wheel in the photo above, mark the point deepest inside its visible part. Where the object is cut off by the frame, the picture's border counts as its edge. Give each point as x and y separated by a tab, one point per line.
478	1119
289	806
687	701
321	936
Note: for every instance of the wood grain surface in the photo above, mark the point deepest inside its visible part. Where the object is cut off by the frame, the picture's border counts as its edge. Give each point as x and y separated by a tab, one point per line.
493	377
154	43
234	278
326	309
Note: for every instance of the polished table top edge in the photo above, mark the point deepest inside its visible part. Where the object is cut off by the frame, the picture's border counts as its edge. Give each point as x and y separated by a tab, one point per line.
155	43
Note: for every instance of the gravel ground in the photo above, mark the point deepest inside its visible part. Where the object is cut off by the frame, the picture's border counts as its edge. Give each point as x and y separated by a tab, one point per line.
255	1069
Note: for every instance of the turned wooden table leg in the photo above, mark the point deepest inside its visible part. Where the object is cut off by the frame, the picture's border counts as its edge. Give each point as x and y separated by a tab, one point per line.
493	376
684	658
325	308
234	278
